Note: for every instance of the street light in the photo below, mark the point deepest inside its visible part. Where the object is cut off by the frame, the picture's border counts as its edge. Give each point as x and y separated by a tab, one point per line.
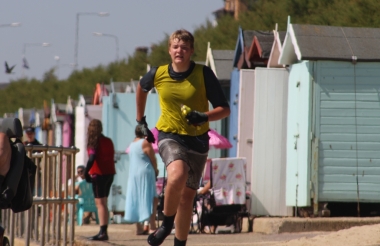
13	24
57	58
101	14
24	52
112	36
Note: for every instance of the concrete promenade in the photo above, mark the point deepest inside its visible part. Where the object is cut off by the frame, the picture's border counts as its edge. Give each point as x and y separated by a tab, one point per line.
124	234
266	231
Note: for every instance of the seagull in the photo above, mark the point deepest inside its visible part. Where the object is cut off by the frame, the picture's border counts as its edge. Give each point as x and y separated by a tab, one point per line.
8	69
25	63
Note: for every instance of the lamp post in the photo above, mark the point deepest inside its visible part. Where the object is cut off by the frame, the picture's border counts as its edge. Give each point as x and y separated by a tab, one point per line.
112	36
28	45
13	24
101	14
57	58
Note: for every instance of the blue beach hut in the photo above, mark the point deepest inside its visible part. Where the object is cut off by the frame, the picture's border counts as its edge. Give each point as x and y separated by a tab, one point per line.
240	61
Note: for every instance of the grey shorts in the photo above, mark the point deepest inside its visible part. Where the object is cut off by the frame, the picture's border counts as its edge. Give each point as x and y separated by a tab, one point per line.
170	150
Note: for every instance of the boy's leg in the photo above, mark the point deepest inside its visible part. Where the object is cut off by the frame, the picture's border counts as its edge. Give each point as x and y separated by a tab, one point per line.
177	176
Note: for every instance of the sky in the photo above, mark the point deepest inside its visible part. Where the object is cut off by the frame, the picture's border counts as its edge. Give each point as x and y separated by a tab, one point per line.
132	23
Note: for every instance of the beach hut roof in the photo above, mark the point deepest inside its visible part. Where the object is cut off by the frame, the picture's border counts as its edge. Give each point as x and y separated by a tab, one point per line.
260	49
279	37
314	42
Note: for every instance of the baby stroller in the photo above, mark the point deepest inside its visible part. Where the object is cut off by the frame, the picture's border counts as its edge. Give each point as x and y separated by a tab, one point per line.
16	190
226	205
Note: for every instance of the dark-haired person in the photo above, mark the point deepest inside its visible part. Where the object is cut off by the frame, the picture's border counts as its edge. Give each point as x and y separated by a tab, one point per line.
31	136
183	141
100	170
80	177
31	140
141	196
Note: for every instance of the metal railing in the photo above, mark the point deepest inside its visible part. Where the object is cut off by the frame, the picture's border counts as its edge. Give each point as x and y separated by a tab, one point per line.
50	220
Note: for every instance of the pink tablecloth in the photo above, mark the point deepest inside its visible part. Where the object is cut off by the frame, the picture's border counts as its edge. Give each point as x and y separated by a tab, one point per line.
229	180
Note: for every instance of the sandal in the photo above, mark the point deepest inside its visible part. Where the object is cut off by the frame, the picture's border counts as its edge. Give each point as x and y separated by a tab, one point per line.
145	232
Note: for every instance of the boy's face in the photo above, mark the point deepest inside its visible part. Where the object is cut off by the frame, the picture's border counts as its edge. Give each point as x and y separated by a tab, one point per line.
180	51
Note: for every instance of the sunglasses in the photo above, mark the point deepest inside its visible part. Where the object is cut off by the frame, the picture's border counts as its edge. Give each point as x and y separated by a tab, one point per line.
80	171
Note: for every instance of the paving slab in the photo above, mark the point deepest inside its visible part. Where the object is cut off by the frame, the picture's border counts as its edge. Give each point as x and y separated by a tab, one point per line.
288	224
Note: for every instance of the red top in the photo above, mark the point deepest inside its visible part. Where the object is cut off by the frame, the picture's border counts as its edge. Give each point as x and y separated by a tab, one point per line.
104	157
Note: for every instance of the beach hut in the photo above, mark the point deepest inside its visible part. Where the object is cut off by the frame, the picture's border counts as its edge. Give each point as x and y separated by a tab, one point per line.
84	113
256	55
119	122
240	61
262	108
220	62
333	114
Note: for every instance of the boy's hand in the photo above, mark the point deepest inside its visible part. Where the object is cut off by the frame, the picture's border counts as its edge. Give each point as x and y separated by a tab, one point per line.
145	130
196	118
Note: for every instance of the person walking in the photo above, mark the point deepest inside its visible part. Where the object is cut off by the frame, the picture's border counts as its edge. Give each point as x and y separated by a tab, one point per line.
100	170
141	197
183	141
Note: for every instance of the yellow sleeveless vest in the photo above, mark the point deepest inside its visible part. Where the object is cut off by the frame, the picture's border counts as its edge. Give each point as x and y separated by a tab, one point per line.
173	94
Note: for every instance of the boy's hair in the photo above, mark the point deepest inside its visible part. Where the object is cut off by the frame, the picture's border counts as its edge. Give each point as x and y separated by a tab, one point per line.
183	35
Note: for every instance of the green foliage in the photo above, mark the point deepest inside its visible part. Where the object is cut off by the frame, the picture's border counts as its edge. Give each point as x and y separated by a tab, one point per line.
159	53
262	15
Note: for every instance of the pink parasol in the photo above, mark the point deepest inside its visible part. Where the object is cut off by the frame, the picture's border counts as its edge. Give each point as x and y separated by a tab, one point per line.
216	141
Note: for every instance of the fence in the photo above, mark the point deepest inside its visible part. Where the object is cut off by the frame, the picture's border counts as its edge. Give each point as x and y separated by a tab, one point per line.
51	217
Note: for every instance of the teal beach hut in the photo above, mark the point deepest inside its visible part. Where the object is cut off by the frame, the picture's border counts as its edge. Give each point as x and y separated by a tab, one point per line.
333	127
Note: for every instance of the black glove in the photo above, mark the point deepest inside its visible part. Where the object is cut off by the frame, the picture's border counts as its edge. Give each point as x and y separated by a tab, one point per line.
196	118
145	130
87	176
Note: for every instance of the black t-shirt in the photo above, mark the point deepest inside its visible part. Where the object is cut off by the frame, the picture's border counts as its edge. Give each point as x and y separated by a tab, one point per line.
214	94
34	142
